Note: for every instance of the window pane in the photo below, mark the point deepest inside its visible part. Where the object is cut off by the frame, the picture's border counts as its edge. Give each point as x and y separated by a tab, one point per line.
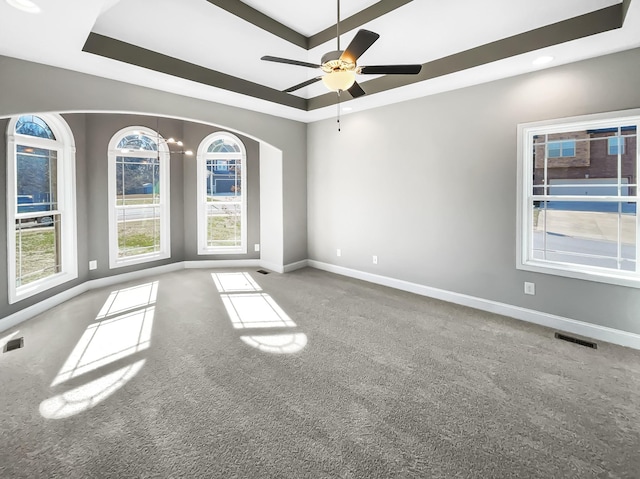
224	224
138	142
616	145
223	146
137	181
592	171
586	233
138	231
34	126
36	179
223	179
37	248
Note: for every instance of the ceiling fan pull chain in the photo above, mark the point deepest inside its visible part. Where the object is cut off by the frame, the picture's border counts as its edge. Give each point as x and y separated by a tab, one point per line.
338	115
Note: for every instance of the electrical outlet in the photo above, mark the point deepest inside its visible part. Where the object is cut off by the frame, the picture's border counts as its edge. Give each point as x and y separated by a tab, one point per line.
256	247
375	259
529	288
338	252
93	264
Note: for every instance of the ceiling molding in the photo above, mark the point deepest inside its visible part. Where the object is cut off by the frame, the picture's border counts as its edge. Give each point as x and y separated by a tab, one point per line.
592	23
125	52
354	21
260	20
625	8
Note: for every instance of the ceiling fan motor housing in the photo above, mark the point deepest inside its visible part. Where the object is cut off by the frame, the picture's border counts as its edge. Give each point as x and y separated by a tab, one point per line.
331	62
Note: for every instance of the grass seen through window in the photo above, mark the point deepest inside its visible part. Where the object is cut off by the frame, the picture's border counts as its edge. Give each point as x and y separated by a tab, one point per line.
35	254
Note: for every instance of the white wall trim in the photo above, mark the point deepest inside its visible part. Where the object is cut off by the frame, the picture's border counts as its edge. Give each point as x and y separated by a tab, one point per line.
594	331
31	311
27	313
223	263
64	145
164	155
132	276
201	189
275	267
297	265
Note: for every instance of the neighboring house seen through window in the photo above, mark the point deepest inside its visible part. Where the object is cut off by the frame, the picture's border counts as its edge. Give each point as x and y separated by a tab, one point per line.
558	149
578	214
616	145
41	208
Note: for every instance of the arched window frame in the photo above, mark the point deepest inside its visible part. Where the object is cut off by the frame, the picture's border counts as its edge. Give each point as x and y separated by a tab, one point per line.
64	145
164	156
202	156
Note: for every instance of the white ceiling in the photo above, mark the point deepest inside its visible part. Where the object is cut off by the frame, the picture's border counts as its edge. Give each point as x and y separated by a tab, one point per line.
201	33
308	17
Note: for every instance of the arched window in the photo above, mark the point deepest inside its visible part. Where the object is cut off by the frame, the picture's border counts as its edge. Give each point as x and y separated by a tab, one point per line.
41	204
222	199
139	229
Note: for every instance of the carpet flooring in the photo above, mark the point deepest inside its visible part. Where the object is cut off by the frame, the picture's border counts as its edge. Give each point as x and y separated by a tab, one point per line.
306	374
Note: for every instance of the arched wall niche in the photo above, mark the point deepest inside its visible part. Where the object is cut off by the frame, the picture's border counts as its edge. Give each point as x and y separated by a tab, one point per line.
66	91
93	129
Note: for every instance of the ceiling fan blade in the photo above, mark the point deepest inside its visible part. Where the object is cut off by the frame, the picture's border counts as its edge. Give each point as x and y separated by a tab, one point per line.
289	62
391	70
360	44
303	84
356	90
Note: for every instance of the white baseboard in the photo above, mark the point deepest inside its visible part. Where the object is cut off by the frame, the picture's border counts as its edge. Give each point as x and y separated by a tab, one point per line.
297	265
276	268
594	331
224	263
132	276
27	313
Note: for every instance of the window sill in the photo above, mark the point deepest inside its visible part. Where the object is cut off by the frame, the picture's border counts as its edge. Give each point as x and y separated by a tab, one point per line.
630	280
212	251
134	260
40	286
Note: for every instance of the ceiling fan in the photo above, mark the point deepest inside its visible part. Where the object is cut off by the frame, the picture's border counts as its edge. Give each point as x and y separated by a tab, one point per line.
340	67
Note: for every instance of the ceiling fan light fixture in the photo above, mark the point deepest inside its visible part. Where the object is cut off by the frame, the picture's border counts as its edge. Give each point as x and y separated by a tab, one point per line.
339	80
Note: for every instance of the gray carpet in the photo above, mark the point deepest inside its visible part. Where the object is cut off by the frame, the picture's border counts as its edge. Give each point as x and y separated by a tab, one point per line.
389	384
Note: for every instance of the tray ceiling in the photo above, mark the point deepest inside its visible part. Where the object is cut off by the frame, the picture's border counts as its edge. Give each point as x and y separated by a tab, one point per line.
211	49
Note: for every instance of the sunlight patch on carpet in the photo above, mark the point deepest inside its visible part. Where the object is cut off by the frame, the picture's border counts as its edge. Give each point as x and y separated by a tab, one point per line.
88	395
249	308
123	328
129	299
256	310
108	341
234	282
277	343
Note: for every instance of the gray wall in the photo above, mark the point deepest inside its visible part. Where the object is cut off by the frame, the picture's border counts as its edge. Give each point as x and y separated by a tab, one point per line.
430	187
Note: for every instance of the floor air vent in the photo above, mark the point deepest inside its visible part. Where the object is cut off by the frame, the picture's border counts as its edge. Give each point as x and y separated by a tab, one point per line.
261	271
581	342
14	344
